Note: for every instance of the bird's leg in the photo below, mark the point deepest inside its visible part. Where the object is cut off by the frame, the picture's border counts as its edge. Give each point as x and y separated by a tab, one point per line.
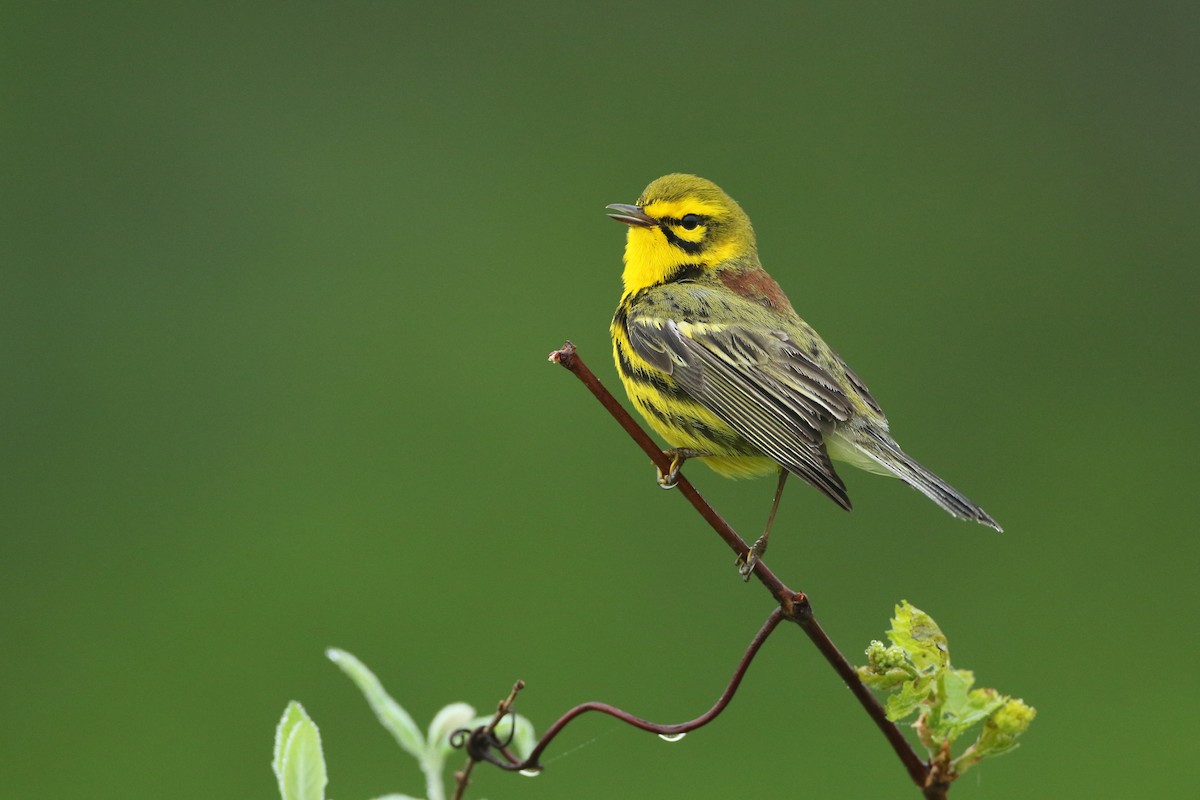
678	456
746	563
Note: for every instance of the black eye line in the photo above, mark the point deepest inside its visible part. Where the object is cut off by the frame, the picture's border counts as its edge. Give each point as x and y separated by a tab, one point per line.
703	220
691	248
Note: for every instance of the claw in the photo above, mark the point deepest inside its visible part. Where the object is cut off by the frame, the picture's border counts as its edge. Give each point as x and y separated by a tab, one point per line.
747	562
678	456
671	479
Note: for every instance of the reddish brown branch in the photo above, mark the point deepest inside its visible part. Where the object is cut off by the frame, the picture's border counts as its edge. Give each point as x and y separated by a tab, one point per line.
531	762
793	605
568	358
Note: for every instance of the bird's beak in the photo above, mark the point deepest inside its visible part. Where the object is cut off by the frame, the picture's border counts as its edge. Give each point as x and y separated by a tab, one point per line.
632	215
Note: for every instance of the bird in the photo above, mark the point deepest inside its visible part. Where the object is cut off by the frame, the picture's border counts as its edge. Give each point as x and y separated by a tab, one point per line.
713	356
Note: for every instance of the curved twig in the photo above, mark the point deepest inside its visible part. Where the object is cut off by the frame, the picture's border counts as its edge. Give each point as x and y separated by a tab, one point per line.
531	762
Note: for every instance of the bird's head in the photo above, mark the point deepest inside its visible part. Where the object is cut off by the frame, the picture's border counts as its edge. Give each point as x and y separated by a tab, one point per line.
682	224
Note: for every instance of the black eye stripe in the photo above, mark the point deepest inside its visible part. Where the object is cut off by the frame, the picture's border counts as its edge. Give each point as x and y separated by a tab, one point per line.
691	248
701	219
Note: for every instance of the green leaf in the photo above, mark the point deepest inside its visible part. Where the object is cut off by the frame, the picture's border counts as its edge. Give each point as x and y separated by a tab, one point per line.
883	681
390	713
293	715
448	720
299	763
1001	731
910	697
959	707
916	632
981	704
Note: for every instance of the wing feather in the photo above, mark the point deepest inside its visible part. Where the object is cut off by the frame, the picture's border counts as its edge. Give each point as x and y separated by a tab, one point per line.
761	384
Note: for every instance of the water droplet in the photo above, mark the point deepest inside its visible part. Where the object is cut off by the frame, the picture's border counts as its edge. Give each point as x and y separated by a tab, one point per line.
674	737
531	773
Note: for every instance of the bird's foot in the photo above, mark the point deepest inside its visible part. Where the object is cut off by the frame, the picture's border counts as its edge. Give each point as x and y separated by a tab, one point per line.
678	456
746	563
669	480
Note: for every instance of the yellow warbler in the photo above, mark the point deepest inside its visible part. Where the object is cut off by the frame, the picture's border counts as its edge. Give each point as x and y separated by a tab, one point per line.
717	361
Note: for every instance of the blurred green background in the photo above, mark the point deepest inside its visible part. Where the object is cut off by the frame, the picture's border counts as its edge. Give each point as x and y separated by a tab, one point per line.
278	284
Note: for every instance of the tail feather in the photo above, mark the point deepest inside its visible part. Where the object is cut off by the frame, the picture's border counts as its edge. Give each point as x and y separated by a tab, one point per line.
880	448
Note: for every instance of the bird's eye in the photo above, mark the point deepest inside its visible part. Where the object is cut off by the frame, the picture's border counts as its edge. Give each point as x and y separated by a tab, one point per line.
690	222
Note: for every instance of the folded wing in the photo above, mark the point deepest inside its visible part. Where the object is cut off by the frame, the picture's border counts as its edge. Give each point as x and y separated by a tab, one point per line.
761	383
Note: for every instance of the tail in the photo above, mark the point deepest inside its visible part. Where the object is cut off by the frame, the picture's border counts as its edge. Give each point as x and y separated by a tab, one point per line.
879	448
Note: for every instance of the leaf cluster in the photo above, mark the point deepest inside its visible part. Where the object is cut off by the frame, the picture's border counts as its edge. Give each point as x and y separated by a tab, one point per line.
916	674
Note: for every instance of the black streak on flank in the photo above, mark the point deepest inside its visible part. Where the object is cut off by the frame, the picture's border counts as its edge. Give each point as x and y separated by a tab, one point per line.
645	377
730	443
621	316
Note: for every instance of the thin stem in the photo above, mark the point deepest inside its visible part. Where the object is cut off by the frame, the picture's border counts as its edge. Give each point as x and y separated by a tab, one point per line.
793	606
462	778
531	761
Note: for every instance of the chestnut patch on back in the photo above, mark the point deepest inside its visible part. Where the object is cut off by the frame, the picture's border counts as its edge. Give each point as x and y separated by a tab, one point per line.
756	285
